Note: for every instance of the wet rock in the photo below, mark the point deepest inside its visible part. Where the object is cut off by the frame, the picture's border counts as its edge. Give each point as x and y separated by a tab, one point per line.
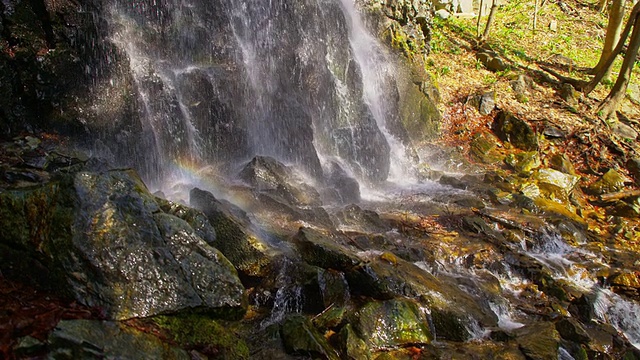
300	337
353	347
196	219
392	323
449	326
561	163
199	332
540	341
28	347
483	148
387	278
626	283
516	131
108	244
364	220
346	188
334	287
324	251
570	329
330	318
89	339
266	174
247	251
524	162
629	207
611	181
366	148
453	182
556	183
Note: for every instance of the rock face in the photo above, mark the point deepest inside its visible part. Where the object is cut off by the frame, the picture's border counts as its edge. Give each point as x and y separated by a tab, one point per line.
109	245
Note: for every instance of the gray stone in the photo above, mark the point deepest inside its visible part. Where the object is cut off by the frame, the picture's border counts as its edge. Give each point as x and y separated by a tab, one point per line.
443	14
487	103
89	339
108	244
624	131
249	253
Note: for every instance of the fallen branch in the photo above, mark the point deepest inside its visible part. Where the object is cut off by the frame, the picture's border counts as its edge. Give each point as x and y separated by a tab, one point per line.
619	195
577	84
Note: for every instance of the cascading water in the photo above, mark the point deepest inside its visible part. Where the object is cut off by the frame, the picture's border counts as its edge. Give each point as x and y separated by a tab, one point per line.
221	82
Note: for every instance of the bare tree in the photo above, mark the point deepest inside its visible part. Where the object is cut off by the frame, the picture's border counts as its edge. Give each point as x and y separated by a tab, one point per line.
614	27
492	16
479	24
587	87
610	104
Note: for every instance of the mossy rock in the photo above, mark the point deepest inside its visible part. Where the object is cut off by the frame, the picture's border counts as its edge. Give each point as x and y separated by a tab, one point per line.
539	341
449	326
483	148
194	331
324	251
524	162
300	337
352	346
515	131
247	251
392	323
90	339
610	182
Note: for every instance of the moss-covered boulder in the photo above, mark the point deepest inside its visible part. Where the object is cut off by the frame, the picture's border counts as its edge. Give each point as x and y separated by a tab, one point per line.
247	251
203	334
108	244
392	323
90	339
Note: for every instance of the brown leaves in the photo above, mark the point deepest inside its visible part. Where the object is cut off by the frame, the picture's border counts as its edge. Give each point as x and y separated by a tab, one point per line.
25	311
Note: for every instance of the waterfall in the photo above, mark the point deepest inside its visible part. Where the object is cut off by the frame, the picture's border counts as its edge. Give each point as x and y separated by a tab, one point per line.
220	82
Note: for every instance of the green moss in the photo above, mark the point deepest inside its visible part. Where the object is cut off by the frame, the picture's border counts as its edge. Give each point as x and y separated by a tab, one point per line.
198	331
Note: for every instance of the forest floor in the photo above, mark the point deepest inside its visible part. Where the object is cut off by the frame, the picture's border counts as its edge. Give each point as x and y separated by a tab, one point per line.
569	38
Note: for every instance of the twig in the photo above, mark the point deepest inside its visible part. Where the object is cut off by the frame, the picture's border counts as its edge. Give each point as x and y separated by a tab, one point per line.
619	195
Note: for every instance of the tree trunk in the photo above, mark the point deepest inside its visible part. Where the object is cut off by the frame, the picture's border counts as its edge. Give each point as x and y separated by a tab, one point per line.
535	15
478	25
492	15
587	88
610	104
616	15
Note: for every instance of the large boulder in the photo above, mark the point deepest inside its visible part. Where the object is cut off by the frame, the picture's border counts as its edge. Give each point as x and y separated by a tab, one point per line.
392	323
90	339
268	175
108	244
235	237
